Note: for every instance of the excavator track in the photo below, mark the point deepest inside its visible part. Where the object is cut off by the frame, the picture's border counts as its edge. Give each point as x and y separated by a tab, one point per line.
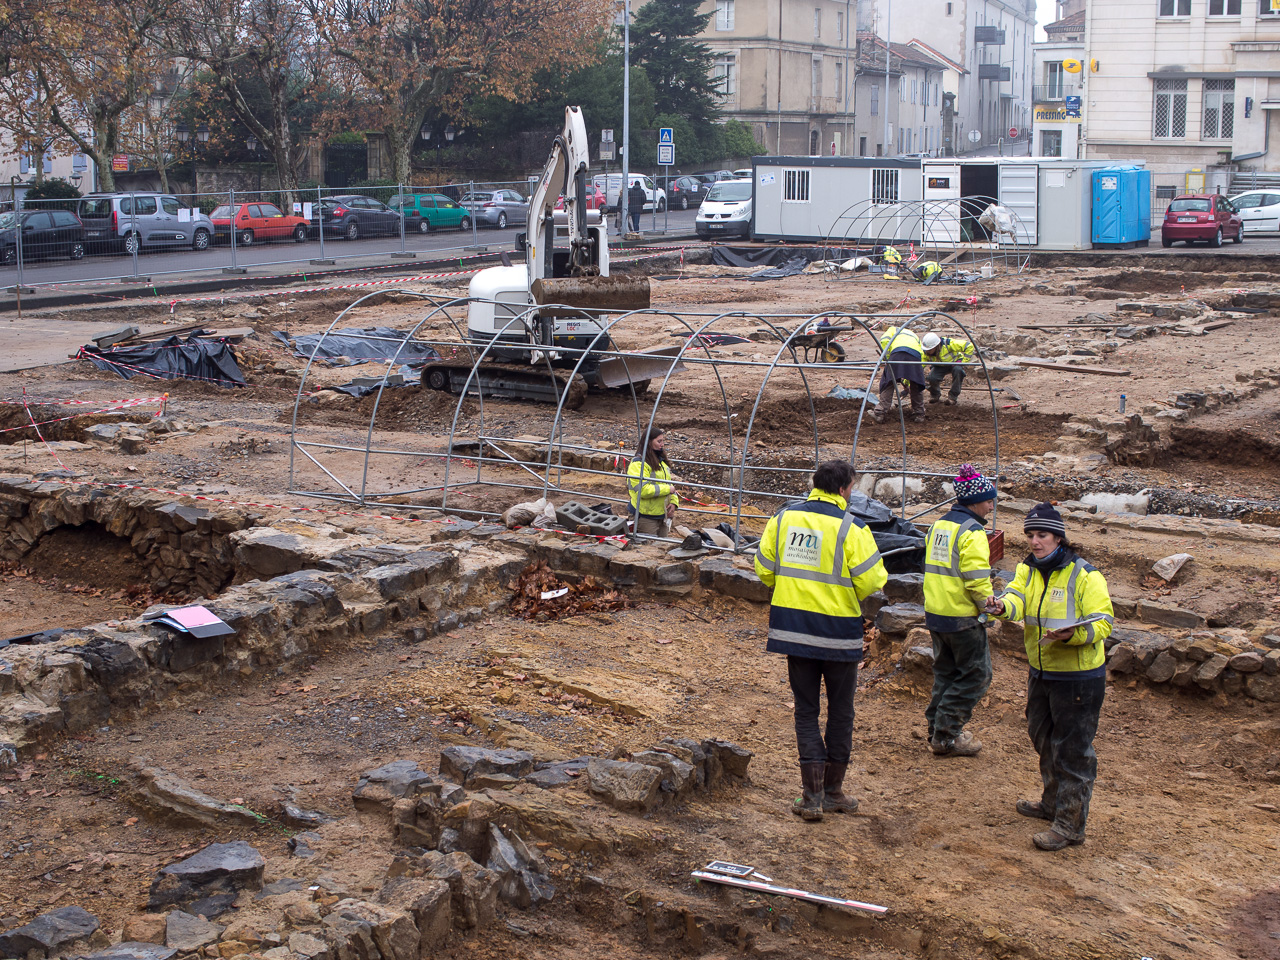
508	381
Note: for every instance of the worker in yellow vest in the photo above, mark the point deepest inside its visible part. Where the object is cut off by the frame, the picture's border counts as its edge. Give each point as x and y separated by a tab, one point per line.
651	488
947	356
903	364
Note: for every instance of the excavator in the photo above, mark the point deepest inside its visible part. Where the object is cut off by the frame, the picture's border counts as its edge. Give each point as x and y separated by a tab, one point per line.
533	358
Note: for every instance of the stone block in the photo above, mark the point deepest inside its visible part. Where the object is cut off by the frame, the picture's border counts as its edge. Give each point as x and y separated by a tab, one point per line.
220	868
188	933
1162	668
633	787
673	574
918	659
397	579
1167	615
380	788
1248	662
133	950
359	930
464	764
429	902
1260	686
473	890
679	777
1202	648
905	588
723	576
732	759
179	652
1122	659
48	934
1232	682
1184	674
1208	672
1271	663
900	617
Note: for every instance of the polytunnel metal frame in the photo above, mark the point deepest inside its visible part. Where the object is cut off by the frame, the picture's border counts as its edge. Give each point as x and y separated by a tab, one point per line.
696	350
881	224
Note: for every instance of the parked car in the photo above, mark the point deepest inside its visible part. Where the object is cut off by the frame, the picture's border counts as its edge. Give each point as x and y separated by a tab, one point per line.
726	211
715	175
1260	210
1204	216
257	221
45	233
611	184
131	221
742	173
496	208
353	216
688	192
595	198
425	212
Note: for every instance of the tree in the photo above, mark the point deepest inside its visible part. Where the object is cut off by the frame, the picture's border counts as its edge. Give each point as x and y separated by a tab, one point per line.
409	57
663	40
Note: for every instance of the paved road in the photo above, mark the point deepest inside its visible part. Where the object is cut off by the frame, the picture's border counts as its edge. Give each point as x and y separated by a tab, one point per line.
38	341
171	263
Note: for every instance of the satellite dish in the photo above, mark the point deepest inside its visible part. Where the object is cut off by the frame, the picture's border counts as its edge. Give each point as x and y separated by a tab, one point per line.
975	136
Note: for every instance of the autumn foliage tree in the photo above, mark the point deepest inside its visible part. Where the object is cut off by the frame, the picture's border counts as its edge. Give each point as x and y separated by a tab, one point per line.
404	58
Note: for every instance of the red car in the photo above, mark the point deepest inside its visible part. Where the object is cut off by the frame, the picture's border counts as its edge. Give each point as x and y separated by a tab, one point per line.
1202	216
595	198
258	221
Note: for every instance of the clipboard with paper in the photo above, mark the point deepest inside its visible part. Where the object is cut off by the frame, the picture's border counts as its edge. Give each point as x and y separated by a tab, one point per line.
1082	622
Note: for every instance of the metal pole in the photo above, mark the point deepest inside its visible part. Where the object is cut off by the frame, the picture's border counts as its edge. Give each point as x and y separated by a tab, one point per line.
133	228
320	226
624	202
666	214
232	199
888	32
400	191
17	229
475	235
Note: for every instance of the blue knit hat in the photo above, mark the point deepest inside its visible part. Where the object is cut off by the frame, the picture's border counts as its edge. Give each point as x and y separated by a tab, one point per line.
1044	517
972	487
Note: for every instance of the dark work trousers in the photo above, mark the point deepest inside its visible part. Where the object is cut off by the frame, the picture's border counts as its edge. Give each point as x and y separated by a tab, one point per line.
916	394
938	372
1062	718
807	676
961	676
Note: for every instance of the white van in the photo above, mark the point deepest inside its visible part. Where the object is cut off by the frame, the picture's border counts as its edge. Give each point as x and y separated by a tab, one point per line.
727	210
611	184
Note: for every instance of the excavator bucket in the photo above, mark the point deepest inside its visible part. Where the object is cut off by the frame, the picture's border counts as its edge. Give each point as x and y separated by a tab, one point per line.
593	293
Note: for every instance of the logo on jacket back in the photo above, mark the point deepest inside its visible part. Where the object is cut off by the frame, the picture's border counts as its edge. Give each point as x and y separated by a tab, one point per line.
803	547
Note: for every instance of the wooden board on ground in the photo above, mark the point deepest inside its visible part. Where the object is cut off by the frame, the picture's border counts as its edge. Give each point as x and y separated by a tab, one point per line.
1070	367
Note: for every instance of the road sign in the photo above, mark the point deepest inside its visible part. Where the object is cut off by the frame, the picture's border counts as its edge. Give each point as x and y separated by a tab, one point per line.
666	154
666	135
1013	133
606	136
607	151
975	136
1073	106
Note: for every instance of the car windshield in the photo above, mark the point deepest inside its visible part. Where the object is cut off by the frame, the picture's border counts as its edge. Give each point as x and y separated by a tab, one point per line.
476	198
220	213
6	221
728	191
1189	206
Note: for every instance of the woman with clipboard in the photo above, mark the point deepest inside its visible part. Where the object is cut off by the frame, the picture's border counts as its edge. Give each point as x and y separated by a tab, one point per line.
1066	613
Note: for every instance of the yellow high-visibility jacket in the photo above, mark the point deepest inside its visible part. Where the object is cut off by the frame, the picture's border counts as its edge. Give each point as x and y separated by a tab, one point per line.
953	351
1073	590
893	339
821	563
650	490
957	571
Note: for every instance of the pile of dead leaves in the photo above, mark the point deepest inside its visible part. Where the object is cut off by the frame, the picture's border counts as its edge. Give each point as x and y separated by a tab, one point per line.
539	596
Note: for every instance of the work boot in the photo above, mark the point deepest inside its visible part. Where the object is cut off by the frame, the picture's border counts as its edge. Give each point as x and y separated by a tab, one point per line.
878	416
917	418
834	799
1052	840
809	806
1032	809
950	401
962	746
935	396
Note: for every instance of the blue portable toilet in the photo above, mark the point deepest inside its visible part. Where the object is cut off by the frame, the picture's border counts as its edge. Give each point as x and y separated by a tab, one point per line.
1121	206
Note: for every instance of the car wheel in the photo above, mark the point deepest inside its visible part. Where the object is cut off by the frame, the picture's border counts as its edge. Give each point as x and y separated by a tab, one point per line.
1217	239
684	203
1166	242
245	238
353	231
200	240
662	204
464	223
132	244
299	234
77	251
502	220
1240	234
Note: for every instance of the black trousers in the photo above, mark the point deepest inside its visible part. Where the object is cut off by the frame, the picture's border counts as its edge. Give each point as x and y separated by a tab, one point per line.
1062	719
841	677
938	372
961	677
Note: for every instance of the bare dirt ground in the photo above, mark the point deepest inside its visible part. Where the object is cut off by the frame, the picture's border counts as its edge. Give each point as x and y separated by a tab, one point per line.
1184	833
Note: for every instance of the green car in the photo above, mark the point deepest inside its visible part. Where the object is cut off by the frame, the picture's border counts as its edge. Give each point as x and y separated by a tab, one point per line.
425	212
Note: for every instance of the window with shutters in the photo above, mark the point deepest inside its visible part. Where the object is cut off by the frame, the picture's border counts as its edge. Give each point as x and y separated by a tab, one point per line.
875	100
884	186
1219	110
795	186
1169	114
839	82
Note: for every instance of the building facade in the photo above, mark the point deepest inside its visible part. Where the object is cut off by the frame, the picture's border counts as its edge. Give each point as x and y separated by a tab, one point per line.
1059	69
1190	86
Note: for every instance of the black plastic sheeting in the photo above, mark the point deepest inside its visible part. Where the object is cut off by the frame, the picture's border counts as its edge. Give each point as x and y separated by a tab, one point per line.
210	361
890	533
791	268
353	345
761	256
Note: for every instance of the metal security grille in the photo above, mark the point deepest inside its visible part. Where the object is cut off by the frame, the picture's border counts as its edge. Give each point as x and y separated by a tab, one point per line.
884	186
795	186
1219	110
1169	116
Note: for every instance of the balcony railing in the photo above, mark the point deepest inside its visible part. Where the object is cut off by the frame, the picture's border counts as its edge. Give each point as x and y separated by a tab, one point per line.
1049	92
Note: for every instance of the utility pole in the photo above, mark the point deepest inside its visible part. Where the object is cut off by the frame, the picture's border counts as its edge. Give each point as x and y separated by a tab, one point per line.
623	200
888	32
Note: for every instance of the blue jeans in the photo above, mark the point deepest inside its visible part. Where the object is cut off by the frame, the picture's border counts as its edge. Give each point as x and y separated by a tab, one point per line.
635	221
1062	719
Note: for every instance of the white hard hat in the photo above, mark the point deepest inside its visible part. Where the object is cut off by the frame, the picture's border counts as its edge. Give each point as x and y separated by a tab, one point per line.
930	342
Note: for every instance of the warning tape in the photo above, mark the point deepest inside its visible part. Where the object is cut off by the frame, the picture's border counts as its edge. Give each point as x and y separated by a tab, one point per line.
90	413
41	436
155	373
131	402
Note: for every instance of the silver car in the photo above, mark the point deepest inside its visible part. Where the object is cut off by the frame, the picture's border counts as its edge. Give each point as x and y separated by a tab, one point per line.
496	208
130	221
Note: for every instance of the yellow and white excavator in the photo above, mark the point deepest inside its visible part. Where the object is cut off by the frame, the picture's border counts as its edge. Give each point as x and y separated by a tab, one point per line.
556	305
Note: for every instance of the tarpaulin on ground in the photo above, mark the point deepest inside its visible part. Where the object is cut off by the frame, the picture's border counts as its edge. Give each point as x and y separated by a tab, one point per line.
890	533
363	386
211	361
791	268
777	256
352	345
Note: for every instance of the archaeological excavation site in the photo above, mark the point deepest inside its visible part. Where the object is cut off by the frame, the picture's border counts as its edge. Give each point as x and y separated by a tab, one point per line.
325	636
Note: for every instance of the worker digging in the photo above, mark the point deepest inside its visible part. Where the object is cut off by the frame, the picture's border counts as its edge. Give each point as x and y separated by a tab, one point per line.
820	563
1067	662
947	356
903	364
957	585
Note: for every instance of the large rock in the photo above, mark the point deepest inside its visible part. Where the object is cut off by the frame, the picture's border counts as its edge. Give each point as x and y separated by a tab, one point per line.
918	659
173	796
48	933
724	577
557	774
1162	668
132	950
732	759
308	947
473	889
429	902
679	777
359	930
905	587
522	875
627	786
464	764
1122	659
380	788
1247	662
690	751
1169	616
1208	672
220	870
900	617
187	933
1260	686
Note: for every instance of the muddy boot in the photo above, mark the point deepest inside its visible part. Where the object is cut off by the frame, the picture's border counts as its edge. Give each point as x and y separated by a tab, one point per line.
1032	809
962	746
809	806
834	799
879	416
1052	840
934	395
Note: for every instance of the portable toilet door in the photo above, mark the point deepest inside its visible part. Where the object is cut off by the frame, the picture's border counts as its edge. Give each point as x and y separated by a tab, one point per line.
1020	192
941	203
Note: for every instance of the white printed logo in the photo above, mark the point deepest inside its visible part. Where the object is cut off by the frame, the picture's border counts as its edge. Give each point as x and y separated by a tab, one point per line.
1057	595
940	549
803	547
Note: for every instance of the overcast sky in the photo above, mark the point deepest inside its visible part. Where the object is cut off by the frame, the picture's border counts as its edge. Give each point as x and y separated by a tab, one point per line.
1044	14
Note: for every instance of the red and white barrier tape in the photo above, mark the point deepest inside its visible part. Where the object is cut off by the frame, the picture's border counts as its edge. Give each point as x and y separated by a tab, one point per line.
58	401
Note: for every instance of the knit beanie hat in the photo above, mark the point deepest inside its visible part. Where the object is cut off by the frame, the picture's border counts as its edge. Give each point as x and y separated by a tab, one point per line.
972	487
1044	517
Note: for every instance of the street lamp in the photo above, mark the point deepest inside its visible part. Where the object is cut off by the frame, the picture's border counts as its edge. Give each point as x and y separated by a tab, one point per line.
253	145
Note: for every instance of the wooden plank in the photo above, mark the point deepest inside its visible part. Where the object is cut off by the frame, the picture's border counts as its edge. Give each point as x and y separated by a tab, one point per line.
1070	368
1217	325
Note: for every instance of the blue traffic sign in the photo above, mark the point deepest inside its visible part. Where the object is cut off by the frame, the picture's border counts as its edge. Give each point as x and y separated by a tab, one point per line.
666	135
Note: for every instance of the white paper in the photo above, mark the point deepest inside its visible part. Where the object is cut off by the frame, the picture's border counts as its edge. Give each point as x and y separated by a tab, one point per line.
306	210
184	215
